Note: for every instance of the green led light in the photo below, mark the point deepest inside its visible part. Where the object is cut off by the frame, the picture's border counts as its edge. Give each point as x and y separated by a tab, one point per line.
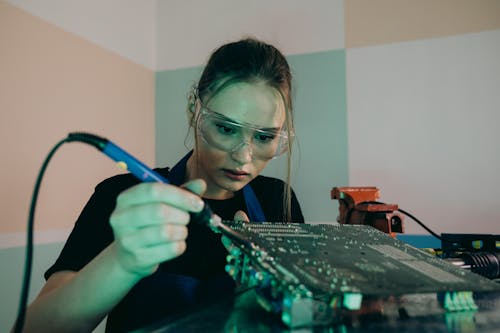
477	244
459	301
352	301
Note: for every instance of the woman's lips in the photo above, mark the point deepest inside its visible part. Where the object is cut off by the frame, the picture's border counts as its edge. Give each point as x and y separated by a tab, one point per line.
235	175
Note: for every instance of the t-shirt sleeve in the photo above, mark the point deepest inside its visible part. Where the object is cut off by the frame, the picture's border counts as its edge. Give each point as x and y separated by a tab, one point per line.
91	233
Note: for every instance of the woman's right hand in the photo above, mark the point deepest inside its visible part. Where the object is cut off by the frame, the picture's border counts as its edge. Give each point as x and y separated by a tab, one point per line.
150	223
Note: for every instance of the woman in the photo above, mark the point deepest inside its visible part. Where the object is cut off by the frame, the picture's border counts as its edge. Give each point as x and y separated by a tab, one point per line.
132	253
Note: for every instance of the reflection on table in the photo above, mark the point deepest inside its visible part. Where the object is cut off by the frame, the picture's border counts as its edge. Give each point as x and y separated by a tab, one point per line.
419	313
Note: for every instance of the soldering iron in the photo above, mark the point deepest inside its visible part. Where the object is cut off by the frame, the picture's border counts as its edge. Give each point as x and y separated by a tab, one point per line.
128	162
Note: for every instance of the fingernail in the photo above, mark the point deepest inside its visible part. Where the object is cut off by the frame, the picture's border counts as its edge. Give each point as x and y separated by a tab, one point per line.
197	204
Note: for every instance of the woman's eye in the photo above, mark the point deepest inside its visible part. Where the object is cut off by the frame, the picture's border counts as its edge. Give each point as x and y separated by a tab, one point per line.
265	137
225	129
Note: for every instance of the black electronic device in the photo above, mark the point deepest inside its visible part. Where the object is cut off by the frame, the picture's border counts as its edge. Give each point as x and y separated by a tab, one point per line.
479	253
453	243
313	274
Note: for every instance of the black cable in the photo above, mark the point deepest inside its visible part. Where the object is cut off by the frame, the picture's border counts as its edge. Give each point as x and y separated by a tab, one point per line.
349	213
421	224
21	314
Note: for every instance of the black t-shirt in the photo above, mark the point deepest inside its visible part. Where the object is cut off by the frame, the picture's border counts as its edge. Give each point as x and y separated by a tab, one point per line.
196	276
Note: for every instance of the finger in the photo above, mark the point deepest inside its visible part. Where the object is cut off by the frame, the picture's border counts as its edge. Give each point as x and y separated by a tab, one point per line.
241	216
163	252
196	186
130	218
144	259
145	193
153	236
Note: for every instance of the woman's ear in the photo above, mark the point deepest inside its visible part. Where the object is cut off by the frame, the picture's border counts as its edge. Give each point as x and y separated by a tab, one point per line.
191	102
191	108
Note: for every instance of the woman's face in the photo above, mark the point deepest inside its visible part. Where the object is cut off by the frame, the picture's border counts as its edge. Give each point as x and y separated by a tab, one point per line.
226	172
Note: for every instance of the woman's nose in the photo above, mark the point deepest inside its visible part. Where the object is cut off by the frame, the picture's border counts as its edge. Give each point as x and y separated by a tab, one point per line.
242	153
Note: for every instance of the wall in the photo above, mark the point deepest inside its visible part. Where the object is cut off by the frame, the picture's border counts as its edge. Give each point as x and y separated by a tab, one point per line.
421	85
54	82
423	101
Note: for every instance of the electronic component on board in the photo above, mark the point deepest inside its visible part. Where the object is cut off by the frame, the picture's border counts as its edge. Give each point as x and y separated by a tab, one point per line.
315	274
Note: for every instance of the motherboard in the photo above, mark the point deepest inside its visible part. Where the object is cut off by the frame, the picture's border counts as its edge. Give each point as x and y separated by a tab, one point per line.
312	274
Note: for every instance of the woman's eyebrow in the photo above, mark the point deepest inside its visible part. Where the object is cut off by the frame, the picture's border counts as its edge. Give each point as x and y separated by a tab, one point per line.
270	129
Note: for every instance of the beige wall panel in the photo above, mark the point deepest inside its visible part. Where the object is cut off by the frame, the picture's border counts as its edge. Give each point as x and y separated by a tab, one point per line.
53	82
372	22
125	27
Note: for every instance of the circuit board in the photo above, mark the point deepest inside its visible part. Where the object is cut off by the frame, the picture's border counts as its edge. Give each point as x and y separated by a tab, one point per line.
317	266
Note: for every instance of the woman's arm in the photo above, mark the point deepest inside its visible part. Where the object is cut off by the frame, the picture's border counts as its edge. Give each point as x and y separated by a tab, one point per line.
78	301
149	227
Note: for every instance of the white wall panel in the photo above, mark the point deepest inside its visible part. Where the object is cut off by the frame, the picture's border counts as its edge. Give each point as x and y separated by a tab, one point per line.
423	122
126	27
189	30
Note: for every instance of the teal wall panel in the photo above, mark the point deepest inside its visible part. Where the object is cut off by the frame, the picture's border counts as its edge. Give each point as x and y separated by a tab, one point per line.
321	126
172	89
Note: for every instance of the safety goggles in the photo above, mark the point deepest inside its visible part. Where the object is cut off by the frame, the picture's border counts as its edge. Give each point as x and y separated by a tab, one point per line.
228	135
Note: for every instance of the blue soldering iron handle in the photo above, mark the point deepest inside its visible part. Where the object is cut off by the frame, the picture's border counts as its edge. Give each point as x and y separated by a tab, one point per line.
134	166
138	169
145	174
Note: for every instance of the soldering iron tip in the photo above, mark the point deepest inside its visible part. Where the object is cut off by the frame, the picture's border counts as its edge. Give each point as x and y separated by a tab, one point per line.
215	221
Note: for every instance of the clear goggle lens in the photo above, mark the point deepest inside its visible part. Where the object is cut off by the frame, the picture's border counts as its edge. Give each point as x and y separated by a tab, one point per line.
228	135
